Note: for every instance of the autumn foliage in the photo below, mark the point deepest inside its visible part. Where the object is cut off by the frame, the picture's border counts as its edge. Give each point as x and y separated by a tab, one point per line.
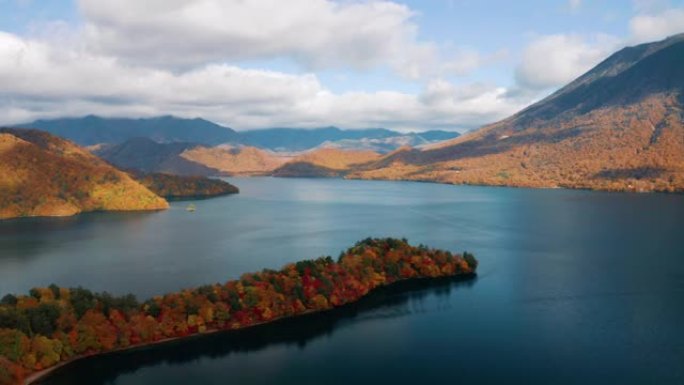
54	324
43	175
184	187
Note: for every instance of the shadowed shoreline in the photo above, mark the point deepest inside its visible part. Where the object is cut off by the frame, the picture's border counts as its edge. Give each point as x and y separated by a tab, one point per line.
300	330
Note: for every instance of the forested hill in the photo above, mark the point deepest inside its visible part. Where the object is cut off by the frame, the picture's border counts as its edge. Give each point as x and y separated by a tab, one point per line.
43	175
53	324
177	187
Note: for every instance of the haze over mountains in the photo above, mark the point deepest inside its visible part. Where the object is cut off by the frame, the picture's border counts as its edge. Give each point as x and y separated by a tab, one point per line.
94	130
375	139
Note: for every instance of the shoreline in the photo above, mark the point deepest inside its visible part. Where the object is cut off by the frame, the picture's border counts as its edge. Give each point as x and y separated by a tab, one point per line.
35	377
511	186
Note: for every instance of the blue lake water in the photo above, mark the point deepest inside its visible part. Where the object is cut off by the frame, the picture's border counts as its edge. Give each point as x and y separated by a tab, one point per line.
574	287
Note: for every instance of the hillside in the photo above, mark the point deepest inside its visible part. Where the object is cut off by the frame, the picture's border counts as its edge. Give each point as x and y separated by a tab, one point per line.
177	187
233	160
146	155
617	127
324	162
91	130
336	158
42	175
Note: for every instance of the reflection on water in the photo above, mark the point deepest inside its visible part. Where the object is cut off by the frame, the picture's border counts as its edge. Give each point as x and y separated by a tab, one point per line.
25	238
399	300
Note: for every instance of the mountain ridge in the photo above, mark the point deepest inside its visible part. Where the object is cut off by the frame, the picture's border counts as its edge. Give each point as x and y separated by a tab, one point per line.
617	127
146	155
94	130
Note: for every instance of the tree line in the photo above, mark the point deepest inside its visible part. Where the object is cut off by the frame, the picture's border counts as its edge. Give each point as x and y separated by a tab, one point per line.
55	324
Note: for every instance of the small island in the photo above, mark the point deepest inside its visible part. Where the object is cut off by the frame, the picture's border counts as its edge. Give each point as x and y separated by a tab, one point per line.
53	326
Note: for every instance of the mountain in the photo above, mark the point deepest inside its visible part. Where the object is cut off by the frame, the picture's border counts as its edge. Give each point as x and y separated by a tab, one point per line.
617	127
236	160
391	143
375	139
177	187
294	139
336	159
324	162
43	175
91	130
148	156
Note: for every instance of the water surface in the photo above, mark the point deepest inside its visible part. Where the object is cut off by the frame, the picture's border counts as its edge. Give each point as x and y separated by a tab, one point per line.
573	286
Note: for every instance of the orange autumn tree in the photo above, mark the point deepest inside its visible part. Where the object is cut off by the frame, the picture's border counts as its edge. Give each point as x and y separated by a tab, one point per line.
52	325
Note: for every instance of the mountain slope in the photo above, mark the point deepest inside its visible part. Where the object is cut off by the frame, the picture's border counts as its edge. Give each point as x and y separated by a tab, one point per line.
617	127
324	162
146	155
236	160
42	175
92	130
184	187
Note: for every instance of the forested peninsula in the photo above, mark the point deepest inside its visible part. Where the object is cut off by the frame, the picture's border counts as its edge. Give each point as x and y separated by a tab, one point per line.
55	325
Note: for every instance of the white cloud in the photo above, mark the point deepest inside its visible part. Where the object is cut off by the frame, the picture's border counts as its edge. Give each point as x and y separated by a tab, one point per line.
652	27
551	61
43	80
554	60
650	6
314	33
575	5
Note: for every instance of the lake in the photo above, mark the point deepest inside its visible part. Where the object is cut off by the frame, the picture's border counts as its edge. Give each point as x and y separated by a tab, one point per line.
574	287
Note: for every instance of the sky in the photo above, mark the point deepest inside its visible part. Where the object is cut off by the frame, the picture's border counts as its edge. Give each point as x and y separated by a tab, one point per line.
409	65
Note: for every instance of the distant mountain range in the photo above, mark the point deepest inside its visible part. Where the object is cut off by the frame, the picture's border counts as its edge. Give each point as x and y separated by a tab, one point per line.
375	139
199	147
620	126
148	156
93	130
